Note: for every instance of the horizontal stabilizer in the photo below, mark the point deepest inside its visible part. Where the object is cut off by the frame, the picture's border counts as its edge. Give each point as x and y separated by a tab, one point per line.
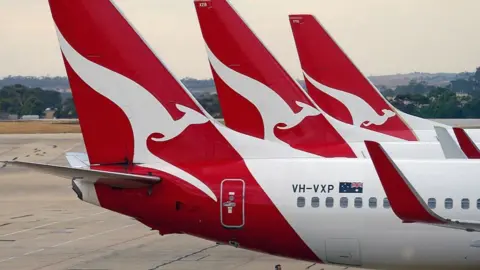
77	160
405	201
450	148
116	179
468	146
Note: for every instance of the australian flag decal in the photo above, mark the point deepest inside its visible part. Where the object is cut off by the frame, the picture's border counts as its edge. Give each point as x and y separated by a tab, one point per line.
351	187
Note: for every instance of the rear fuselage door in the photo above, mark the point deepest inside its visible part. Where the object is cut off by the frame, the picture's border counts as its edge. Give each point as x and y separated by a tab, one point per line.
232	203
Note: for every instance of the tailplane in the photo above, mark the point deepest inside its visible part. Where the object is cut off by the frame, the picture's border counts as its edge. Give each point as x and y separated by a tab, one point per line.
111	178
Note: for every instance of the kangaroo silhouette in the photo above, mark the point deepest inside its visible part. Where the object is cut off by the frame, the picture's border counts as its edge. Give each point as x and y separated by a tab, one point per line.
298	117
362	113
275	112
383	118
138	104
190	117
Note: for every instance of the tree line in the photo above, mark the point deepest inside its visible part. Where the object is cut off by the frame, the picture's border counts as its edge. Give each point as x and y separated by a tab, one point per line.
459	99
58	82
22	100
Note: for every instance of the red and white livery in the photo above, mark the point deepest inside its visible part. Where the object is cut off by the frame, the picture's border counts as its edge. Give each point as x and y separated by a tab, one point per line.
154	154
340	89
259	98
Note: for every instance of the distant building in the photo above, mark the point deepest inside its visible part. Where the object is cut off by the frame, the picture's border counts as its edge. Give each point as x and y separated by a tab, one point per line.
8	116
50	113
461	94
30	117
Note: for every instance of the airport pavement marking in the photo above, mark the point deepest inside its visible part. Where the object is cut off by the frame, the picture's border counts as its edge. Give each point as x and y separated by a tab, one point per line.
38	227
98	250
64	152
49	224
8	259
92	235
99	213
71	241
33	252
184	256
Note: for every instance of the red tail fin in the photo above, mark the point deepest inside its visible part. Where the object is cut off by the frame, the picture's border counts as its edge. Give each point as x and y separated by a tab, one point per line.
338	86
113	74
118	83
256	94
468	146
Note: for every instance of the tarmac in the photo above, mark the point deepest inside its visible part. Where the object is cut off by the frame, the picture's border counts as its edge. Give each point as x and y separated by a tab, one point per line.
43	225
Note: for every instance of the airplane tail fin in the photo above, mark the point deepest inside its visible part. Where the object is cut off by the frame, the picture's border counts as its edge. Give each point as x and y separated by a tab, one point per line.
128	102
250	80
338	86
466	144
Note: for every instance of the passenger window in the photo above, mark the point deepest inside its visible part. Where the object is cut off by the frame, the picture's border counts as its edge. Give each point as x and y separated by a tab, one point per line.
448	203
301	201
329	202
358	202
465	204
315	202
372	202
386	203
432	203
478	204
344	202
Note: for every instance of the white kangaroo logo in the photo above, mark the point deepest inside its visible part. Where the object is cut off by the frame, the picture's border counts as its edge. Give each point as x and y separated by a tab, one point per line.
127	94
190	117
298	117
361	112
274	110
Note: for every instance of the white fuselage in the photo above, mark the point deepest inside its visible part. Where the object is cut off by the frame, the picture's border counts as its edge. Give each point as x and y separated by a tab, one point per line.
424	128
427	146
374	237
403	150
371	237
367	236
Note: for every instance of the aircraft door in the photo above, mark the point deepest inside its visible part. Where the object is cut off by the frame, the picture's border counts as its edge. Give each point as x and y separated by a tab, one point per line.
343	251
232	203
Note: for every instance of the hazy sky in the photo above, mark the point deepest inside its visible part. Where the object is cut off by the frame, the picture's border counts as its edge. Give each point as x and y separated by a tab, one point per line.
381	36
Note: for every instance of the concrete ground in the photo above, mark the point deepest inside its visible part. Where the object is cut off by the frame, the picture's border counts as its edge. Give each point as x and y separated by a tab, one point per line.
44	226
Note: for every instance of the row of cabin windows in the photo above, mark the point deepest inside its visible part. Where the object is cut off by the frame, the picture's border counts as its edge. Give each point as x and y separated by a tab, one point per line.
372	202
